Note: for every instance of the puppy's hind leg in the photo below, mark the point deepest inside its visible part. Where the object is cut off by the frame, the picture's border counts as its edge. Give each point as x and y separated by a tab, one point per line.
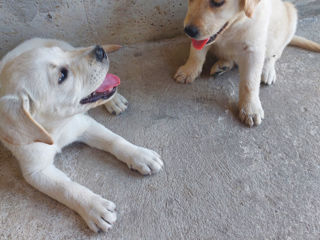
220	67
279	38
269	75
117	105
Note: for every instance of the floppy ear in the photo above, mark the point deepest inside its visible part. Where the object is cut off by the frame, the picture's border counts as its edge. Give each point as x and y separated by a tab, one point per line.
111	48
249	6
17	126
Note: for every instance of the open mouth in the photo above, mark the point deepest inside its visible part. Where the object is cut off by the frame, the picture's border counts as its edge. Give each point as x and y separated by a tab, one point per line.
106	90
199	44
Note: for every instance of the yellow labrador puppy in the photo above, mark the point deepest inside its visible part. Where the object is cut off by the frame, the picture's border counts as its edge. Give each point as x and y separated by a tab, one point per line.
250	33
46	86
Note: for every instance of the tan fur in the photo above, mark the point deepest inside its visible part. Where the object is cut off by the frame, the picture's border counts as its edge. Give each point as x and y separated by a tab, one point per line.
255	37
111	48
108	48
249	6
21	128
305	44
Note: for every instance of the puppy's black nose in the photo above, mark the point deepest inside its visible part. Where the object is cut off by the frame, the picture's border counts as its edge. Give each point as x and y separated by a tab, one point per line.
191	31
100	53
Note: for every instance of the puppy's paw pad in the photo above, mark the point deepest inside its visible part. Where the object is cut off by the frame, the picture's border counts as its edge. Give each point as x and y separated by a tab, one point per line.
99	214
117	105
251	114
145	161
186	74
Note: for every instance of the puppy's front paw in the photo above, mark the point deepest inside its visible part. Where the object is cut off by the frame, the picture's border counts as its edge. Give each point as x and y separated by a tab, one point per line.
251	112
117	105
98	213
187	74
145	161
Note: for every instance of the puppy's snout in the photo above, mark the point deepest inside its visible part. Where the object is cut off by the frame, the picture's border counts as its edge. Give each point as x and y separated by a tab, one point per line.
191	31
100	53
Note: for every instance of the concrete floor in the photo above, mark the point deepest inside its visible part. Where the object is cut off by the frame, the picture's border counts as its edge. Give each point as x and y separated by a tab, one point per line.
221	179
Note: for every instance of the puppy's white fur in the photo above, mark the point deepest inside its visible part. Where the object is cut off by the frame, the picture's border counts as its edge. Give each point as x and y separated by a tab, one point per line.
256	35
39	117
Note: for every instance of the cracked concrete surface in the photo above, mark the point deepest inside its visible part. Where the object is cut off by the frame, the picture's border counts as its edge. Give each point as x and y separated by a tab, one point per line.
221	179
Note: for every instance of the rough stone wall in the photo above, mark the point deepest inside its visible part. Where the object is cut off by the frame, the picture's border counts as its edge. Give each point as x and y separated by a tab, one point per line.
84	22
89	21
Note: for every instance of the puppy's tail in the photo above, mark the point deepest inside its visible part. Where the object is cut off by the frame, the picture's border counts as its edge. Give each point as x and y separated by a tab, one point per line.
304	43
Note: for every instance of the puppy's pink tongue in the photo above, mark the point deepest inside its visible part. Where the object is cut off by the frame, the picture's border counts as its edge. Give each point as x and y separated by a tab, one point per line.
109	83
199	44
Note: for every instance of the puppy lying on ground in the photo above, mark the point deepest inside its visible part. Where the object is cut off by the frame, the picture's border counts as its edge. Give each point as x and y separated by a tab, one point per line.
46	86
250	33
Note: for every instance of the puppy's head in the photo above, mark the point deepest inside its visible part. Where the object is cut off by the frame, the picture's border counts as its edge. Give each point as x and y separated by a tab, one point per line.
206	20
49	84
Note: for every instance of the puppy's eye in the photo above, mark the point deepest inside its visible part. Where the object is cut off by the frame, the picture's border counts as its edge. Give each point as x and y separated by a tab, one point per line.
217	3
63	75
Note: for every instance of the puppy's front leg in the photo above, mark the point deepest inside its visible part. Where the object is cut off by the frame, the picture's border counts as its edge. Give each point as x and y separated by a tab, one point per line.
98	213
250	66
141	159
193	67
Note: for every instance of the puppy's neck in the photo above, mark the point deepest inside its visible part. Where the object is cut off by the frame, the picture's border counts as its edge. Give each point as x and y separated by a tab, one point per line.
53	125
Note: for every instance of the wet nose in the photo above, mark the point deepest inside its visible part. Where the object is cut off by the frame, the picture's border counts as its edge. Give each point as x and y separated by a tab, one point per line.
100	53
191	31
